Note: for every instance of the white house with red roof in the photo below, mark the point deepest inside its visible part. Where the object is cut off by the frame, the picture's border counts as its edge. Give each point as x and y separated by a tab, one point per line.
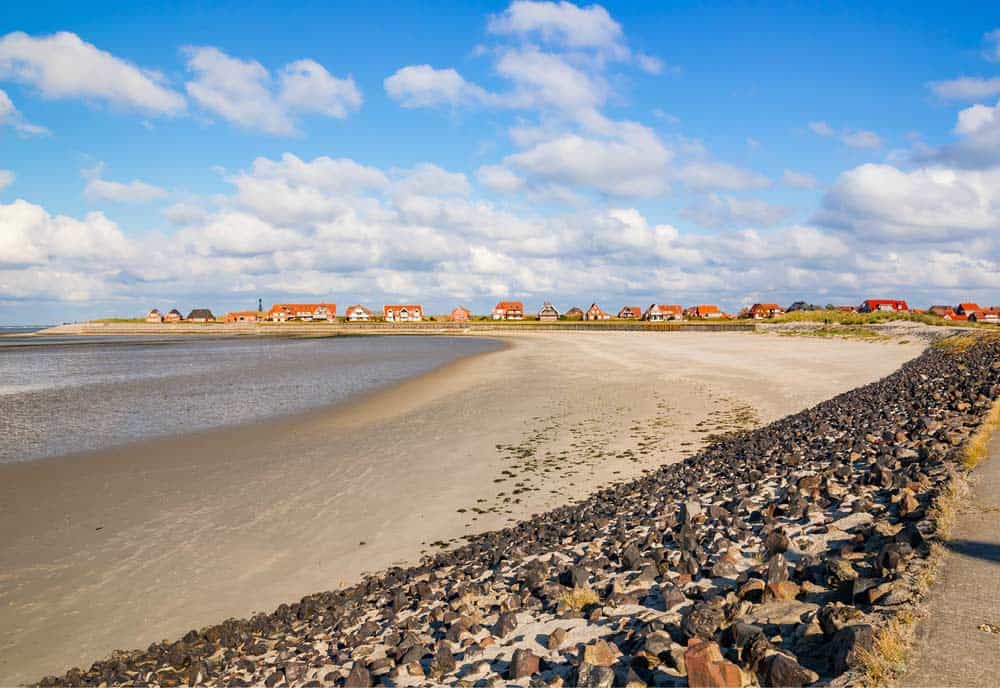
285	312
403	312
759	311
595	312
358	313
883	306
658	312
509	310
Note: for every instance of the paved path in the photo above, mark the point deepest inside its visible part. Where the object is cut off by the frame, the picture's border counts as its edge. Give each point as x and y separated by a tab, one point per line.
949	649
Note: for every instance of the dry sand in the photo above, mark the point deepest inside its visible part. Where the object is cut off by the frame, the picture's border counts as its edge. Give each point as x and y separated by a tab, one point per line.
125	547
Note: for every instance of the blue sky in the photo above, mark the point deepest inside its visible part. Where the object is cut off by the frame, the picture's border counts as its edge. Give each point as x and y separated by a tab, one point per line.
450	153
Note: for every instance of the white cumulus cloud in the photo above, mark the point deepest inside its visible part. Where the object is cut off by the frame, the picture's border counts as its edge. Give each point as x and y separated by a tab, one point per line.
245	93
63	65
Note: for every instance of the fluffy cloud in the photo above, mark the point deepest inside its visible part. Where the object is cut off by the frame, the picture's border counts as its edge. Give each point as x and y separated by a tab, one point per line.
564	24
307	87
135	191
322	226
931	203
10	116
632	163
63	65
419	86
244	92
30	236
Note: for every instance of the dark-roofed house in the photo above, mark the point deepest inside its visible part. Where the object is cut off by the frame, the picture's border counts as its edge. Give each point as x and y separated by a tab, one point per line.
154	316
173	316
200	315
574	313
549	313
941	310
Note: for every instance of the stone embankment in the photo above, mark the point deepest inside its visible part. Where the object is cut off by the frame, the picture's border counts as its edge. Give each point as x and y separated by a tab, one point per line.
774	557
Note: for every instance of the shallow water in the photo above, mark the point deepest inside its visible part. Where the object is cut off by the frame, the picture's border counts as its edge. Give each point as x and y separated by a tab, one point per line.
74	394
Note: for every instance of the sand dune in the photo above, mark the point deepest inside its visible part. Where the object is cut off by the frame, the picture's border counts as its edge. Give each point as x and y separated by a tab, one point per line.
124	547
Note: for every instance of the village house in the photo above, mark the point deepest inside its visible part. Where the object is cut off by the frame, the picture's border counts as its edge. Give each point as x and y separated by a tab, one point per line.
285	312
573	313
154	316
403	313
658	312
942	311
242	316
595	312
759	311
200	315
703	311
630	313
358	313
509	310
985	315
953	316
460	314
883	305
173	316
967	308
548	313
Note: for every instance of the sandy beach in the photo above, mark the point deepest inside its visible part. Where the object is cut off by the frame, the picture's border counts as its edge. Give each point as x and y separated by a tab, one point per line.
127	546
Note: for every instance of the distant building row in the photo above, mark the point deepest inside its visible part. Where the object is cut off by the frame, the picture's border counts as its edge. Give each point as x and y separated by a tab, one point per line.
514	310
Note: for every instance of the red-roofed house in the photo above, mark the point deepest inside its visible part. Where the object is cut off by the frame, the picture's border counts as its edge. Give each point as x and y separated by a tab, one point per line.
358	313
461	314
952	315
883	305
704	311
403	313
658	312
967	308
509	310
284	312
985	315
595	312
942	311
630	313
241	316
759	311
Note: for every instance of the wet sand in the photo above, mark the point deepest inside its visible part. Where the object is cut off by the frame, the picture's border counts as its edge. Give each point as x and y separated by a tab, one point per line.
140	543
